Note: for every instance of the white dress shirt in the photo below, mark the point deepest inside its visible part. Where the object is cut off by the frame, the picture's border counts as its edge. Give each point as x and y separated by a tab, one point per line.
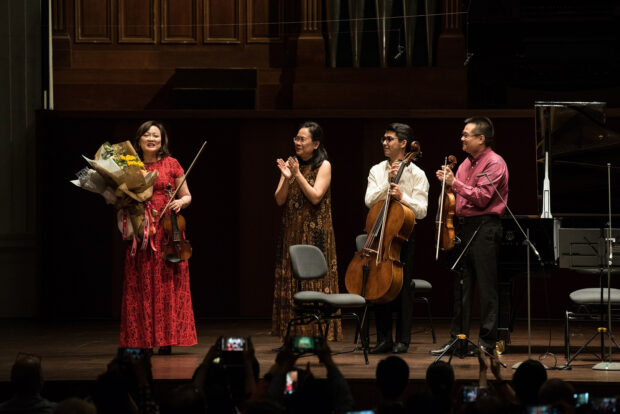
413	184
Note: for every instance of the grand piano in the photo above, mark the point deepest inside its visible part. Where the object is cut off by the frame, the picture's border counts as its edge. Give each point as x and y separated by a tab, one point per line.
579	147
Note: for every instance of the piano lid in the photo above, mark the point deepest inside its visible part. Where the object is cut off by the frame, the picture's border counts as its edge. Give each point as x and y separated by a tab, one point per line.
580	146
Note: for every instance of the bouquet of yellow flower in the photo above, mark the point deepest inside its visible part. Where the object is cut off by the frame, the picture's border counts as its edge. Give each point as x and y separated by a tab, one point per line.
119	175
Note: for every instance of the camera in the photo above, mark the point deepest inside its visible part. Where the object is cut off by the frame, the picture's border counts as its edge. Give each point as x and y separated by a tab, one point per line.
233	344
292	377
304	344
471	393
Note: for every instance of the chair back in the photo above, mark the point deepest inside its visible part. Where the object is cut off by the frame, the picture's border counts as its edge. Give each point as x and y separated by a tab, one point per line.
307	262
360	241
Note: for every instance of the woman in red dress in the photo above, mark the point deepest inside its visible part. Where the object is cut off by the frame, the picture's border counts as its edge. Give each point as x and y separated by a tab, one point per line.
157	304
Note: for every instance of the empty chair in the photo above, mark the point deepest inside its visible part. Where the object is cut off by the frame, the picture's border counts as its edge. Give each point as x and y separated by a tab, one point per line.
308	263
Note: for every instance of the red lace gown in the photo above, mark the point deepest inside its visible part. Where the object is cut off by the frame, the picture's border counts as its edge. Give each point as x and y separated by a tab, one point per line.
157	304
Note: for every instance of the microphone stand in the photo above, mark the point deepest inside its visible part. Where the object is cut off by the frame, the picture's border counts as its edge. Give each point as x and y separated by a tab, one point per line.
528	242
609	241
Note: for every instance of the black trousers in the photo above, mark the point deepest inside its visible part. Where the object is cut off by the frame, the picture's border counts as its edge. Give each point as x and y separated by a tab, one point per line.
478	264
402	305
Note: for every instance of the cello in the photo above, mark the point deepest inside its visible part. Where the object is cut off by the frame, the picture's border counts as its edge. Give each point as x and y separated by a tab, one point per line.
376	272
444	235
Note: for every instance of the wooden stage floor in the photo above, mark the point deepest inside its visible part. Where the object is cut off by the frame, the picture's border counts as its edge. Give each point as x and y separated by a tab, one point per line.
79	351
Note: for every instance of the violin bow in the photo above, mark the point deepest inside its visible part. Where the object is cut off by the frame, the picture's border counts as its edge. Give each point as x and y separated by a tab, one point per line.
204	144
443	188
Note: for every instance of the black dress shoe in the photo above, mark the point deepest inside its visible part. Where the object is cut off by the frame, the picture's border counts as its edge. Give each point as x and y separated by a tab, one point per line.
441	350
382	347
400	348
164	350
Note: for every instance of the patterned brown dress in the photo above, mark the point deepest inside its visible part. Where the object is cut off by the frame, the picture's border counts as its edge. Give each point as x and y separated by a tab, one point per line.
304	223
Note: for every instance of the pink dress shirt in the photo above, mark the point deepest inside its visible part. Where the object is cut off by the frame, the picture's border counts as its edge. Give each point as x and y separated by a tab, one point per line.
475	195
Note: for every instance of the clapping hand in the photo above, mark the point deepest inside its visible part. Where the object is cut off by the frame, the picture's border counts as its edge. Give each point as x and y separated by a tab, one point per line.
293	165
284	168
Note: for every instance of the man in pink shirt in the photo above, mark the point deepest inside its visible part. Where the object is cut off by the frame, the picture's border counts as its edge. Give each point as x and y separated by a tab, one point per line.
478	211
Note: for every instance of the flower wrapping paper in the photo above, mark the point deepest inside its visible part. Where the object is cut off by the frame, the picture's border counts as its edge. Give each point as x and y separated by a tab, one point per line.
120	177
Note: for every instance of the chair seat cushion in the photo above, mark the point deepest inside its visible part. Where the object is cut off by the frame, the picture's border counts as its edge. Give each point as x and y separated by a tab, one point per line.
345	300
421	285
592	296
309	296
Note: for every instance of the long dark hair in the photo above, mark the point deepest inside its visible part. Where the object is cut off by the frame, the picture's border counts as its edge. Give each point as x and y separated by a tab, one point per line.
320	154
163	151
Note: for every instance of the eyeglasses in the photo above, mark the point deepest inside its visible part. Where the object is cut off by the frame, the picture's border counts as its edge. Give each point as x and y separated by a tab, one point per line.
299	139
466	135
387	138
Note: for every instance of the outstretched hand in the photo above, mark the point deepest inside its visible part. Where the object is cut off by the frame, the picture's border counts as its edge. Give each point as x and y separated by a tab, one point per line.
286	358
214	352
495	367
323	352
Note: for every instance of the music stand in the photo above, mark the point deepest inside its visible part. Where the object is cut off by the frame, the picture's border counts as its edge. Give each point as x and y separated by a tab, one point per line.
584	250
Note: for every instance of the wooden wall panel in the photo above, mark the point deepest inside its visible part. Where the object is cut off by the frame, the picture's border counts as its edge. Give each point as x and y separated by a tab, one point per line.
222	20
264	19
179	21
59	24
93	21
136	21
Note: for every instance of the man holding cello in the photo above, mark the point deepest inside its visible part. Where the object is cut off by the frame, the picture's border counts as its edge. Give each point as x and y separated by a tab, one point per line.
478	226
411	191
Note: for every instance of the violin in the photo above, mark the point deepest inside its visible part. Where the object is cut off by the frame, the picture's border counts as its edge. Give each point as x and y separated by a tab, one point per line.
177	248
376	272
444	234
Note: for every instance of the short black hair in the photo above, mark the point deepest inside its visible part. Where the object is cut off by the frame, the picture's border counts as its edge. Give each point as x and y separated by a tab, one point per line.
484	126
392	376
402	131
527	380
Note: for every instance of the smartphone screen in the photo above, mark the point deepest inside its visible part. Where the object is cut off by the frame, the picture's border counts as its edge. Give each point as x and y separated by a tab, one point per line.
581	399
233	344
603	405
540	409
291	382
134	353
471	393
303	344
